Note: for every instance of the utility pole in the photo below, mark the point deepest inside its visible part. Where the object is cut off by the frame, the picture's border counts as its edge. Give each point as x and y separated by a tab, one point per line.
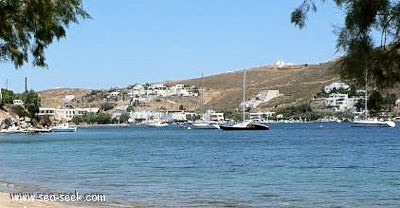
26	84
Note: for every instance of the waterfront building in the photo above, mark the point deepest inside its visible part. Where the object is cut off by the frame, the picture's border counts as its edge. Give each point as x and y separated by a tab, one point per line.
65	114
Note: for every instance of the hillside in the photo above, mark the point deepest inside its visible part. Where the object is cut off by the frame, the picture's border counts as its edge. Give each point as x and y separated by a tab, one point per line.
296	83
224	91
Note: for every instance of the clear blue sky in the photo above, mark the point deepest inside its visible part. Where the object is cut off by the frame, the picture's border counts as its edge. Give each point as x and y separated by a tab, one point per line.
138	41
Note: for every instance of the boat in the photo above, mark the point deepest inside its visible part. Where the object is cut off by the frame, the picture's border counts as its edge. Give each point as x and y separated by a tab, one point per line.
373	122
40	130
245	124
205	121
367	121
64	127
203	124
155	123
14	130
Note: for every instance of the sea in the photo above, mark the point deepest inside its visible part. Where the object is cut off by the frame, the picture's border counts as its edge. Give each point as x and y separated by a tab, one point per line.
290	165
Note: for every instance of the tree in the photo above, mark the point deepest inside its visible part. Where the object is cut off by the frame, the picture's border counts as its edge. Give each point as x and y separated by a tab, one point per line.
27	27
89	117
20	111
45	121
390	101
31	102
366	55
182	107
103	118
375	101
7	97
77	119
107	106
124	118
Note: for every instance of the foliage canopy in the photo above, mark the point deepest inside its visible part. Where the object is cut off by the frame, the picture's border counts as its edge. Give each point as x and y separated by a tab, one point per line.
370	38
27	27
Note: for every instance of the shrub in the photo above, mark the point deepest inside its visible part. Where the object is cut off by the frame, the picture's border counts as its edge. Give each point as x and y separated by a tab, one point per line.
20	111
107	106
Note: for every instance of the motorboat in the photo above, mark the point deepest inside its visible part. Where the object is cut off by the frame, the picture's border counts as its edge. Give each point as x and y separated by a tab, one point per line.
203	124
372	122
155	123
64	127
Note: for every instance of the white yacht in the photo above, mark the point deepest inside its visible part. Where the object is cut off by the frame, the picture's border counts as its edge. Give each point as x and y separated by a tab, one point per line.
367	121
372	122
64	127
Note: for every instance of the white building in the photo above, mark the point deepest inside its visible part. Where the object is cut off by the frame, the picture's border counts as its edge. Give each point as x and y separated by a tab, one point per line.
261	115
261	97
18	102
159	89
397	103
139	116
65	113
217	117
211	115
178	90
335	85
281	64
157	86
69	98
114	94
178	116
181	90
339	102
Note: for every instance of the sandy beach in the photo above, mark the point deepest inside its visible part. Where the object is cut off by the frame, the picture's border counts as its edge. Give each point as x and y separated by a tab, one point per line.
5	201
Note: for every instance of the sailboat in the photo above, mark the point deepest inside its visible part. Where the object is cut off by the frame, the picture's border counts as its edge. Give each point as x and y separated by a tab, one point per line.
204	122
245	124
367	121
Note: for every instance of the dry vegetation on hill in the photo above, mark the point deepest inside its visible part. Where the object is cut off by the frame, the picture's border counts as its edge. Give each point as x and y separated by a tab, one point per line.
224	91
54	98
297	84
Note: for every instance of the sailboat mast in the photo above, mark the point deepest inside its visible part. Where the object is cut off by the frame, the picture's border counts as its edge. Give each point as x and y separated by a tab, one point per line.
202	94
244	95
366	92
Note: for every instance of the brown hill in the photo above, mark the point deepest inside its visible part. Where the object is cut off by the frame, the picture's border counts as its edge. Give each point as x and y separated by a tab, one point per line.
296	83
55	98
224	91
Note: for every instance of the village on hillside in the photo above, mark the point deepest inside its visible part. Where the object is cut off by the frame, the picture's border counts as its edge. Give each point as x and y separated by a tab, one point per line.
170	103
333	97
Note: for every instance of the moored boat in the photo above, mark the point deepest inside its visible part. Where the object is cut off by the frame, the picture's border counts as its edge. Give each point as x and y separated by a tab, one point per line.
155	123
14	130
64	127
373	122
203	124
247	125
367	121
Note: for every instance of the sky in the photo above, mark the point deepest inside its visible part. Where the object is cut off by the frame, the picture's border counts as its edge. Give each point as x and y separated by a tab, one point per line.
147	41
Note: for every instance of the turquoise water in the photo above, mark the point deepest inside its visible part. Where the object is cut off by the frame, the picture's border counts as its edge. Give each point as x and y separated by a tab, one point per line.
291	165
